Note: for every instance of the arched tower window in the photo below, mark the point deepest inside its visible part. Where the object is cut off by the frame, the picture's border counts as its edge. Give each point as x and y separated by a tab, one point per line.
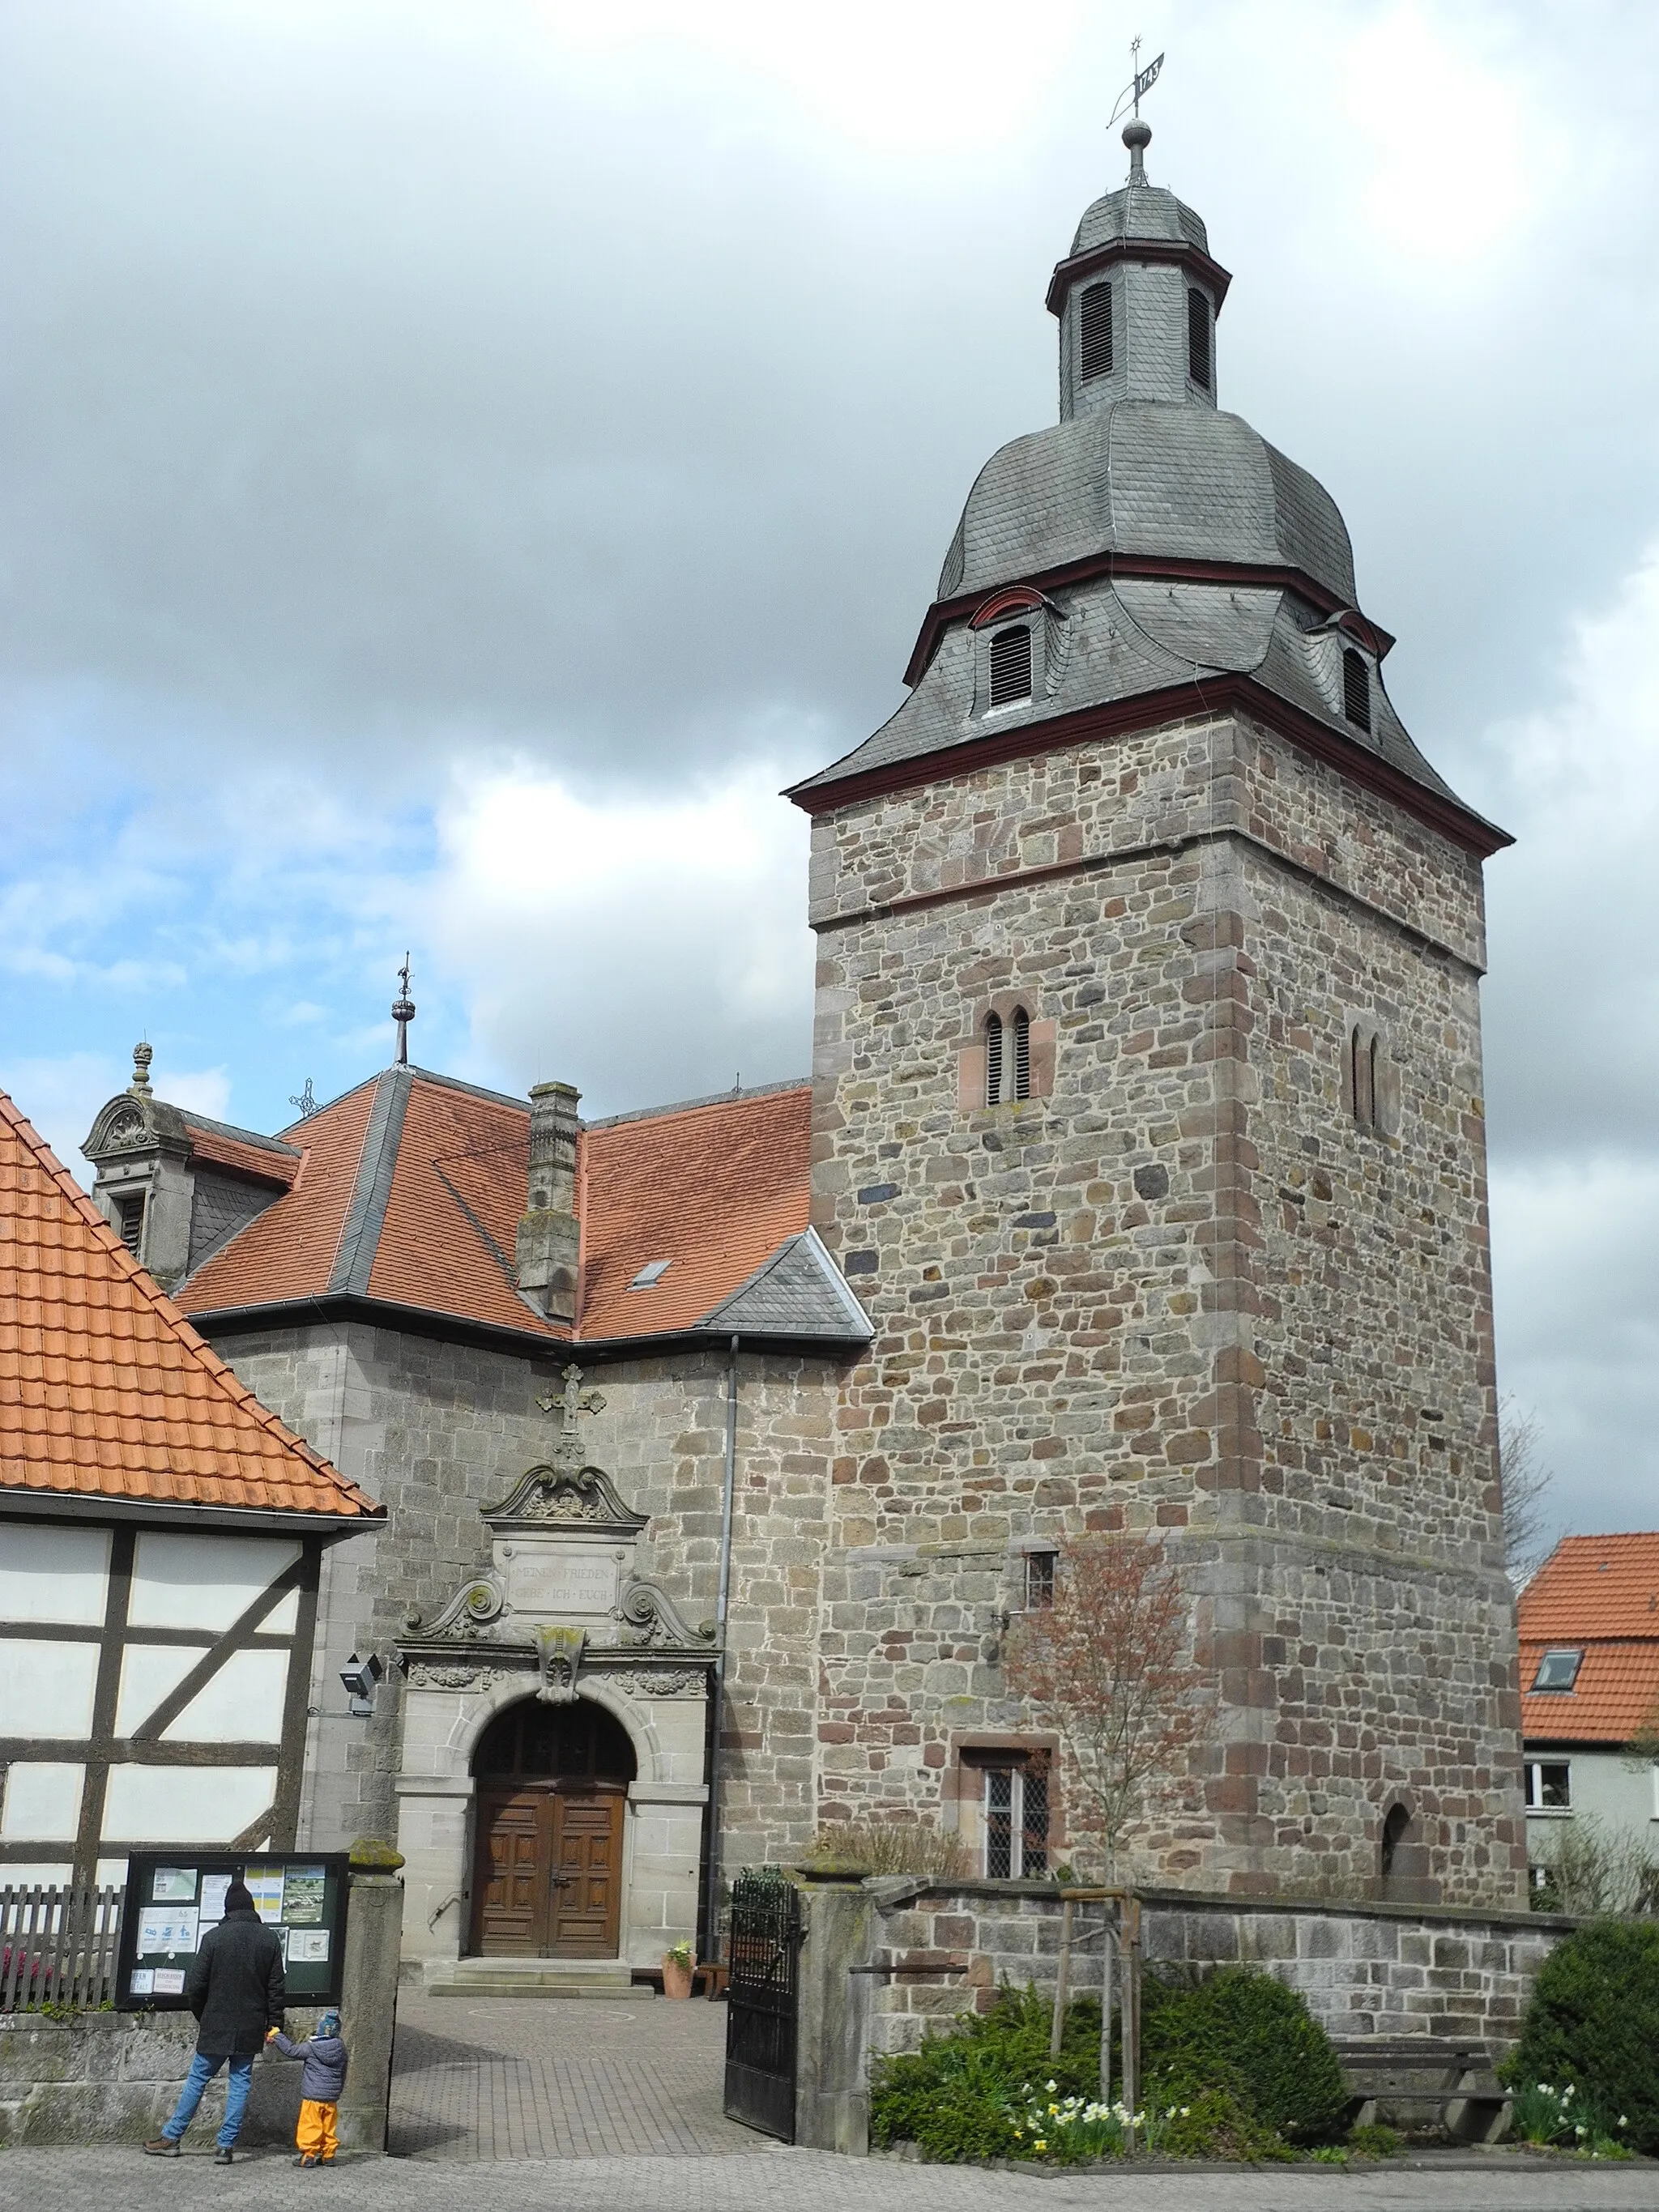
1007	1057
1095	333
1011	664
1199	366
1356	689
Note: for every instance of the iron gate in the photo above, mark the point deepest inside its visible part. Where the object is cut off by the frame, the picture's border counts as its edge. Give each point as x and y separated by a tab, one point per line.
762	1990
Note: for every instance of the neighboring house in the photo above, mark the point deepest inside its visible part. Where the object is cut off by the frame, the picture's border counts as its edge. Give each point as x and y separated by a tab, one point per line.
160	1534
1589	1681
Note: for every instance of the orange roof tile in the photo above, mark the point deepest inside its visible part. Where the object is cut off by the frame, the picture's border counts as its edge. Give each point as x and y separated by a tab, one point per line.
1598	1594
411	1187
106	1389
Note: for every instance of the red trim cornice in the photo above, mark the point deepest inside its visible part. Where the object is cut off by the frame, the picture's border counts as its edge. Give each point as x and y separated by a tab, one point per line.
1068	273
1164	566
1173	702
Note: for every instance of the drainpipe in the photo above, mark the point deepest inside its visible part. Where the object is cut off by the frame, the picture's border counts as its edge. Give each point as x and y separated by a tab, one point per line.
711	1907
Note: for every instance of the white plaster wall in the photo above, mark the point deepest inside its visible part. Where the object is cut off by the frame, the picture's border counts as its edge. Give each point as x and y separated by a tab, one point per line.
150	1672
42	1800
49	1688
52	1573
184	1804
241	1703
207	1580
1602	1788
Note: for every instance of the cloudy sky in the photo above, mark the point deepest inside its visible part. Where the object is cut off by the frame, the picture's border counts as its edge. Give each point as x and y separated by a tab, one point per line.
463	456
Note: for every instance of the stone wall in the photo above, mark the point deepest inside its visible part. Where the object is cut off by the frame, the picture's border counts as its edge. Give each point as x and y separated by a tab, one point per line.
1183	1293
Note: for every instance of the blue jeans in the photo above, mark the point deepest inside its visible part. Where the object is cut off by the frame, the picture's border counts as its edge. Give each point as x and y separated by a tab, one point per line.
202	2071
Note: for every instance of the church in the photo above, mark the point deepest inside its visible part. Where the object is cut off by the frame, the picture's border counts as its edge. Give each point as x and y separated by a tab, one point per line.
1139	1183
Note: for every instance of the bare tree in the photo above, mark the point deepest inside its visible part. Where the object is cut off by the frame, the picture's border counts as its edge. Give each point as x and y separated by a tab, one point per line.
1105	1666
1528	1524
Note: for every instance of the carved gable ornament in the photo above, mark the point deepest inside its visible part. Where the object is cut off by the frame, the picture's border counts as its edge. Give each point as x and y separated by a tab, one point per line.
584	1499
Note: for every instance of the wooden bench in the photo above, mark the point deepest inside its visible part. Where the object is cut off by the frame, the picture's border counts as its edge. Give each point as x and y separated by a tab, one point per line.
1422	2081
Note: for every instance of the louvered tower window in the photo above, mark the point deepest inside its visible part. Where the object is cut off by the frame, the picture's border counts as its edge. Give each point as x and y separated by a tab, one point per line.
993	1059
1022	1053
1095	333
1011	665
1356	689
1198	338
129	1221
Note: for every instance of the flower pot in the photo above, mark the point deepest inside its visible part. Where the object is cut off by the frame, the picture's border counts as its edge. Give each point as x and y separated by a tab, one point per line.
677	1978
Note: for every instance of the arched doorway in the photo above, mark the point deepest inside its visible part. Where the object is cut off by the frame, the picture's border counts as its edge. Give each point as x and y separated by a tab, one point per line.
552	1789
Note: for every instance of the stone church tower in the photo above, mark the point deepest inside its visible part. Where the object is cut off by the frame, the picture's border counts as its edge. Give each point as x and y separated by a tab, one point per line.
1148	1129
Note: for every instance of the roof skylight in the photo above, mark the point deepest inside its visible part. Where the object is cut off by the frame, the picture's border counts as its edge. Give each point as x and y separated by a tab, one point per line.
1557	1670
653	1272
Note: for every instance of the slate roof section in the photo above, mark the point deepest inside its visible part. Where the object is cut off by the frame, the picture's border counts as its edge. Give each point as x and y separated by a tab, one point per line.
411	1188
1598	1594
106	1392
1147	212
799	1292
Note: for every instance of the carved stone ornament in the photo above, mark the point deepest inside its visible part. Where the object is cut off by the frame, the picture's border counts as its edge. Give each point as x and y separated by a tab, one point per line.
585	1498
650	1619
473	1606
558	1661
127	1128
426	1674
659	1681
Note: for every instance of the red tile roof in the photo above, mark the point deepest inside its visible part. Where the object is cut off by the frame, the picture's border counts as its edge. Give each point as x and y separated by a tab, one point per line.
1599	1595
411	1187
106	1389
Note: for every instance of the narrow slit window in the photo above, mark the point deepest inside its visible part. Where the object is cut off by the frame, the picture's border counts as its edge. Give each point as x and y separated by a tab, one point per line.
1011	665
1022	1088
993	1060
1198	338
1095	333
1356	690
1362	1076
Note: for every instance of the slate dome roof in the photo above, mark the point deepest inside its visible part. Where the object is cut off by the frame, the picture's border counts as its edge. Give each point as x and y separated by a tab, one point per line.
1150	477
1141	211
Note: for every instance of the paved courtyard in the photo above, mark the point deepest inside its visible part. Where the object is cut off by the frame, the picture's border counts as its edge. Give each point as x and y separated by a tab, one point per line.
519	2077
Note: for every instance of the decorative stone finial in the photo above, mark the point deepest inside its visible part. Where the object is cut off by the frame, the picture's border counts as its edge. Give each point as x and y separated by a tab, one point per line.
1137	136
142	1056
403	1013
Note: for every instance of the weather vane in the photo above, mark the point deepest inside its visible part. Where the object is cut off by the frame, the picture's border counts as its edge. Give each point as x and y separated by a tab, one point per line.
306	1101
1141	81
403	1013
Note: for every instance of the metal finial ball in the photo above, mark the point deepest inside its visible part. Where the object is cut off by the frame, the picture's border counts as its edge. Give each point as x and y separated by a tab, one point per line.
1137	133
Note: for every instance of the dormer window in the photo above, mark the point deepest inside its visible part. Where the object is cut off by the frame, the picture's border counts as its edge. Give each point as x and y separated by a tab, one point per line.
1356	689
1198	338
1094	333
1011	665
129	1220
1557	1670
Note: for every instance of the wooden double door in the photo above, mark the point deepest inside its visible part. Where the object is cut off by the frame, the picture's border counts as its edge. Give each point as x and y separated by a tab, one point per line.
547	1882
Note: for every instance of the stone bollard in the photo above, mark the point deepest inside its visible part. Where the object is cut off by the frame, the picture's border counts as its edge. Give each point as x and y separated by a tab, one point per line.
375	1919
832	2089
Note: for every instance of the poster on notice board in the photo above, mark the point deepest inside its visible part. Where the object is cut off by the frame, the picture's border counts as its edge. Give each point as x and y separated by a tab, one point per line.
176	1898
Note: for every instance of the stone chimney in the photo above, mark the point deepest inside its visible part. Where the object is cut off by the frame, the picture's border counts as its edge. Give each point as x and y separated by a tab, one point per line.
550	1235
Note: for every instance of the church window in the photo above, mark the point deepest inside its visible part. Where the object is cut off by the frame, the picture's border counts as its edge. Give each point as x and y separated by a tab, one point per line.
1198	338
1011	665
653	1272
1356	690
129	1220
1094	333
1016	1822
1007	1057
1039	1581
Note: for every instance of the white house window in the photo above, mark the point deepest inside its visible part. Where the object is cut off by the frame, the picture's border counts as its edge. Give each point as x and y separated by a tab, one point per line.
1549	1786
1557	1670
1039	1581
1015	1823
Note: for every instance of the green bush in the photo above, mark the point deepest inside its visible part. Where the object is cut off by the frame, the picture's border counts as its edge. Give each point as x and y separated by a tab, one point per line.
1593	2025
1207	2123
1248	2035
964	2094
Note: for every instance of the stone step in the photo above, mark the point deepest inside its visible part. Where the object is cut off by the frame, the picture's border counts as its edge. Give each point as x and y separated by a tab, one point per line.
531	1978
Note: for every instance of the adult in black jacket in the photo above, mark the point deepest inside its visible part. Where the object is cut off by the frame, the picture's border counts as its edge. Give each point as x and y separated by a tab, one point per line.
237	1991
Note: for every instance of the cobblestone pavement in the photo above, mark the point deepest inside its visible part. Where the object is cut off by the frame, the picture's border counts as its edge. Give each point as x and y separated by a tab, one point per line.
795	2180
519	2077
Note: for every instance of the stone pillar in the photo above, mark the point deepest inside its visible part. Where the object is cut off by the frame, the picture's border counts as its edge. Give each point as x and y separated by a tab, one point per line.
549	1236
368	2001
832	2040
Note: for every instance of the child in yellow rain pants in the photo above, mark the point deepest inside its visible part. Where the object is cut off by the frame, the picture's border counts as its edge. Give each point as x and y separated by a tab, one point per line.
320	2084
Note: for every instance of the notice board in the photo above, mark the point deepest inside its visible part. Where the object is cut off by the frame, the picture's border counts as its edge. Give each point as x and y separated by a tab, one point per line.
174	1897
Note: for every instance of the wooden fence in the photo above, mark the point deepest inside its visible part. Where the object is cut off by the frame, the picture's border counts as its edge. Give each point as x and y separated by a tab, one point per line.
58	1947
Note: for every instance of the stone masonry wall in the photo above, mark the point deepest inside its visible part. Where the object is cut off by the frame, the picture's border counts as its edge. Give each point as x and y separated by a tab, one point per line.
1177	1293
1379	1970
437	1430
